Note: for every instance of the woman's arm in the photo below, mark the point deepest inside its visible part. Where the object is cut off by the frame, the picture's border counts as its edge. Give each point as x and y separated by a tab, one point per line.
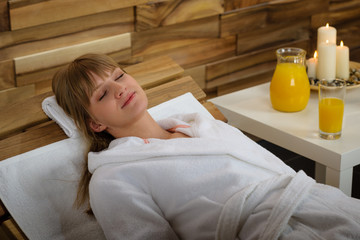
127	212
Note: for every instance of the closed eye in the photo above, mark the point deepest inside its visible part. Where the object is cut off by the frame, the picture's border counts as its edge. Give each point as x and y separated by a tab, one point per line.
120	76
103	95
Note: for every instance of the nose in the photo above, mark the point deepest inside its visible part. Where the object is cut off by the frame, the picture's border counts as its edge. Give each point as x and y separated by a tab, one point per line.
118	90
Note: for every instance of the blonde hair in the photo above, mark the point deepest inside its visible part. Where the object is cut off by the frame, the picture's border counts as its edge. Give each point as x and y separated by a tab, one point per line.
73	85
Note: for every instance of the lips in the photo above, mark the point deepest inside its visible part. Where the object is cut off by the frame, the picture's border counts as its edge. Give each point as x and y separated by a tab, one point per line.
129	98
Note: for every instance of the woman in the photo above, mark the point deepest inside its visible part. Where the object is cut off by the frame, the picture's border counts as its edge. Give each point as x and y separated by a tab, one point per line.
186	177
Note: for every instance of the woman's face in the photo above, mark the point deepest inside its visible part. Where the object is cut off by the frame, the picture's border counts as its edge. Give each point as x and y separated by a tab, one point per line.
117	101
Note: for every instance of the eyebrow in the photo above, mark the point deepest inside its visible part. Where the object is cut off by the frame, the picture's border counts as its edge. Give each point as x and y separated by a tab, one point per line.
111	76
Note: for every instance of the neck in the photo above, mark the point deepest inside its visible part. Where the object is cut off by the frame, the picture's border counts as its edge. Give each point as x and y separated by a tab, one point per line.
144	127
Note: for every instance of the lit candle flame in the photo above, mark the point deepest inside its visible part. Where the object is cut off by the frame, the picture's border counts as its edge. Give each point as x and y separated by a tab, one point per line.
341	44
315	54
327	25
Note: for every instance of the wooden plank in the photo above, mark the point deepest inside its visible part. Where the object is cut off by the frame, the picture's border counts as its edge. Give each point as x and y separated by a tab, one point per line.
349	32
58	10
243	20
223	67
341	5
43	87
204	52
28	48
47	74
289	10
172	12
277	33
156	72
242	74
198	52
4	16
36	76
59	56
174	89
235	4
245	83
22	114
7	74
355	55
44	134
174	36
123	19
12	95
198	74
335	17
215	112
12	229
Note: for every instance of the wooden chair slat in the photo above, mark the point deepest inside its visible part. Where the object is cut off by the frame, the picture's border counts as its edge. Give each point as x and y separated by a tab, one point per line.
12	230
214	111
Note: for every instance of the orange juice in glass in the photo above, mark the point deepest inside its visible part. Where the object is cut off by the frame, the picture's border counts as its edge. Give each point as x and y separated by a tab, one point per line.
289	87
331	108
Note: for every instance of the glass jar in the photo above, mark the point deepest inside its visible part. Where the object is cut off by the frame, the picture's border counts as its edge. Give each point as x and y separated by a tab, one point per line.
289	87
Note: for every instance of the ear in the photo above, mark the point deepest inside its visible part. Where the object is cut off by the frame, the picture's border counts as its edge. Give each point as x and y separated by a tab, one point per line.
96	127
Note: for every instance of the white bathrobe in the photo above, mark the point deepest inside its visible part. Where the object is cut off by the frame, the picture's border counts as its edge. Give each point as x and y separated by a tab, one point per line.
218	184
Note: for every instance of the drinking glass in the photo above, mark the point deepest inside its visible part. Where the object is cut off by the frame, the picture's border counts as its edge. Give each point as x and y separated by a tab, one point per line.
331	108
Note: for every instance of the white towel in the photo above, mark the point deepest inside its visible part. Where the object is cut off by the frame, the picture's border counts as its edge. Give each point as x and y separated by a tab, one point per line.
38	188
56	113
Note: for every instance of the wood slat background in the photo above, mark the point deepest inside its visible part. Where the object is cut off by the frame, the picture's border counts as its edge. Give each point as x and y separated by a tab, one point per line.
225	45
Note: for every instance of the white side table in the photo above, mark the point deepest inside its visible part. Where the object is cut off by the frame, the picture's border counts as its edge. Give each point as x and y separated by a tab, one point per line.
250	110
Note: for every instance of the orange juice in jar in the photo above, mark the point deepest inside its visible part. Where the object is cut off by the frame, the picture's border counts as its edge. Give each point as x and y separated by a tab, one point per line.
289	87
331	111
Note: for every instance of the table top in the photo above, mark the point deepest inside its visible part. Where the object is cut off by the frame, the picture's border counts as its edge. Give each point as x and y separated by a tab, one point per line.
250	110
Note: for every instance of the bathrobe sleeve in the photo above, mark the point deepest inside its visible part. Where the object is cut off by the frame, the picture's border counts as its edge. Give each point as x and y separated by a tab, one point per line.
125	211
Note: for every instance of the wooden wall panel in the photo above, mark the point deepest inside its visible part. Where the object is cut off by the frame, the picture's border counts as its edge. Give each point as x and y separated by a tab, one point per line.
34	14
204	52
236	4
122	18
4	16
61	34
285	10
243	20
7	74
59	56
221	43
276	34
178	35
172	12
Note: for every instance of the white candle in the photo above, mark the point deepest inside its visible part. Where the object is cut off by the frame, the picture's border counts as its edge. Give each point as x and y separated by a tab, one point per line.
326	68
342	61
326	33
312	65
